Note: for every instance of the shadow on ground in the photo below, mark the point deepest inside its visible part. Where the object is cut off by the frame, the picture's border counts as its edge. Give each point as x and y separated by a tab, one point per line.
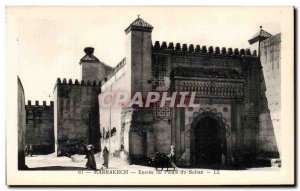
58	168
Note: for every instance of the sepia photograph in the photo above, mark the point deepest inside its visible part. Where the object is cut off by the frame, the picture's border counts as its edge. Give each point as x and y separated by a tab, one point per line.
165	95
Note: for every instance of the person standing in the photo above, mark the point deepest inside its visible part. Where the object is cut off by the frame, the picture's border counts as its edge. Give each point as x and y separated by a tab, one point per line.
91	163
105	157
26	150
172	156
30	150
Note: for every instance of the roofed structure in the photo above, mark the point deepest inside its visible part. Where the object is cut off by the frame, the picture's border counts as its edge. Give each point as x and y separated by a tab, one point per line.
89	56
259	36
140	25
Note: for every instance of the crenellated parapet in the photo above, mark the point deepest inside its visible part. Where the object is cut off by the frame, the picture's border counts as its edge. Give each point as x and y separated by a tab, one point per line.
117	68
37	104
40	126
77	83
202	49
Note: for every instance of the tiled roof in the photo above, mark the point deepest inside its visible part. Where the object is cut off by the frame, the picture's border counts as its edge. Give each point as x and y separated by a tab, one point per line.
207	73
139	24
260	35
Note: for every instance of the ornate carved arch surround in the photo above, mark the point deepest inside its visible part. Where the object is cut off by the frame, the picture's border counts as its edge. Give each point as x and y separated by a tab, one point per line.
197	117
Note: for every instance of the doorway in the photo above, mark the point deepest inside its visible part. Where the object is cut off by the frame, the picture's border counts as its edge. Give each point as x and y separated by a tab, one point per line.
210	144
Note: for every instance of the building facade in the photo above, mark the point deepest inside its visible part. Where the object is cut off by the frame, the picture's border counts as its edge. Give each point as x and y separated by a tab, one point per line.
225	129
234	87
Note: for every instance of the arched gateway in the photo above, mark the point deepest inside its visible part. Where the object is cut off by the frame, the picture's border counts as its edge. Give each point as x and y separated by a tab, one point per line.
208	141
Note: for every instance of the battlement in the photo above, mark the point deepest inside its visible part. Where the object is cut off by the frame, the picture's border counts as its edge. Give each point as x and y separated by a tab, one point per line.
37	104
202	50
76	82
117	68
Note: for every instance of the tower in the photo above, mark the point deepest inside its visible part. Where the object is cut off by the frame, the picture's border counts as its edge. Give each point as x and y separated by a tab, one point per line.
139	68
257	38
269	52
92	68
139	55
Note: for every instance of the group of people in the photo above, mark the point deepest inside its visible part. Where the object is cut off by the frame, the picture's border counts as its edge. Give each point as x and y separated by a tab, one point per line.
91	162
28	150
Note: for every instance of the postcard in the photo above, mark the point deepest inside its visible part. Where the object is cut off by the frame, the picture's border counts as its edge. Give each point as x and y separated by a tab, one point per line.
150	96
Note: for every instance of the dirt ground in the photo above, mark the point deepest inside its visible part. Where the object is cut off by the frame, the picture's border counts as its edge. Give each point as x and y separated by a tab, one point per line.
77	162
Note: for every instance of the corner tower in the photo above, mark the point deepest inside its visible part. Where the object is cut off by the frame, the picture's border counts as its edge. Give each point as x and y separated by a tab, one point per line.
139	55
92	68
269	51
257	38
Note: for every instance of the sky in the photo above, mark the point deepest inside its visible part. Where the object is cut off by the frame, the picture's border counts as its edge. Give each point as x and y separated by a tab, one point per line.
47	43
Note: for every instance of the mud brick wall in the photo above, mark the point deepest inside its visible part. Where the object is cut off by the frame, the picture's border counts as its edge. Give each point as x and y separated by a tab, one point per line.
92	68
167	57
76	116
135	136
110	117
40	127
21	126
94	71
152	68
269	130
251	69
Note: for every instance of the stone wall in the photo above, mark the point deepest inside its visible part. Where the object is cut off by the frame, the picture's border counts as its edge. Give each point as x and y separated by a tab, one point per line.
134	137
110	117
250	116
168	58
94	71
152	68
40	127
92	68
21	126
76	116
139	55
269	129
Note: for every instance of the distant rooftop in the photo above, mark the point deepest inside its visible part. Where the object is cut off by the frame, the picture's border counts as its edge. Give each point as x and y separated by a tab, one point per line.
139	24
259	36
89	57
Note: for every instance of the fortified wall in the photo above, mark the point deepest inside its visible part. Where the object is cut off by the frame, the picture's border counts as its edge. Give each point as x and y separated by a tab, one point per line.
270	115
76	116
21	126
110	117
40	127
135	76
224	79
227	83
